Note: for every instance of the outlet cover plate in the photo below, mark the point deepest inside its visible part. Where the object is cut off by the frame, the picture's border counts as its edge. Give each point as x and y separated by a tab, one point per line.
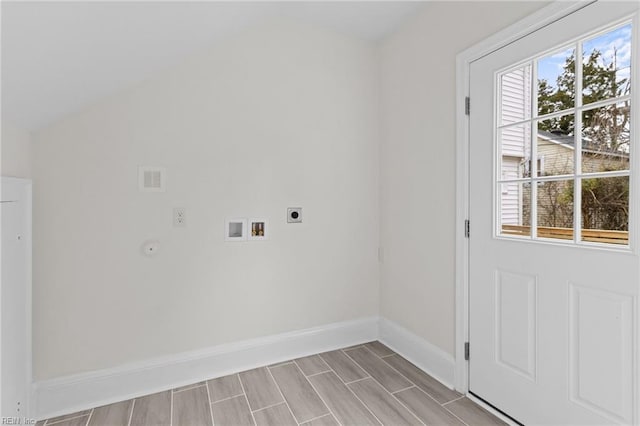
294	215
179	217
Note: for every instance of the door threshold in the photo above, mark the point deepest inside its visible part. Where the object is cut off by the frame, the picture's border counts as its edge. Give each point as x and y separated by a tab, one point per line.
493	410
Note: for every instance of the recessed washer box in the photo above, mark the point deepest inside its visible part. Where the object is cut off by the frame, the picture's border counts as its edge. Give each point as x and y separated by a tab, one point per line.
235	229
258	229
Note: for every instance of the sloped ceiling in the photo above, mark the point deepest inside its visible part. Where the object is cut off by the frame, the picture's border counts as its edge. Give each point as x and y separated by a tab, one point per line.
60	56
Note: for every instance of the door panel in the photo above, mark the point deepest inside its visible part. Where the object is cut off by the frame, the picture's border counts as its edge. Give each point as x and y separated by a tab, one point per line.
553	315
516	322
601	336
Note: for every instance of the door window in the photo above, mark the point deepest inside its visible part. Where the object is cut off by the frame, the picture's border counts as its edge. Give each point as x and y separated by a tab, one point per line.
570	109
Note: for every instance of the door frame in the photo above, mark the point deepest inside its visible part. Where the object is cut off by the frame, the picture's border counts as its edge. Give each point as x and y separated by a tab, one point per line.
543	17
27	190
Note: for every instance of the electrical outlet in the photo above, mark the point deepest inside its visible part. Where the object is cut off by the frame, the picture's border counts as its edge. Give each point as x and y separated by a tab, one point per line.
179	217
294	215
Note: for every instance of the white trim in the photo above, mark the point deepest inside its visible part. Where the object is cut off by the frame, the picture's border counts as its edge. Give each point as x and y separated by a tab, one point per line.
28	193
78	392
634	228
86	390
429	358
29	310
537	20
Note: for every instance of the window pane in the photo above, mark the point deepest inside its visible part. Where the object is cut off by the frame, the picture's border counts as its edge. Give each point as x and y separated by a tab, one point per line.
555	209
606	63
605	210
515	95
556	148
606	138
556	81
515	208
515	142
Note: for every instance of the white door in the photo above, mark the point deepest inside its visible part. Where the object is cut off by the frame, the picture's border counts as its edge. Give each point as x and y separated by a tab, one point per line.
554	200
15	296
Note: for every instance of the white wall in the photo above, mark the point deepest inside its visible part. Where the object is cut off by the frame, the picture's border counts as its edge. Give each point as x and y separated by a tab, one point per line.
282	115
417	160
15	151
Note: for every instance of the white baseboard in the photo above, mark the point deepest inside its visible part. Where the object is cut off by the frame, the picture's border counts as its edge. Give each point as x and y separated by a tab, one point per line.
78	392
431	359
82	391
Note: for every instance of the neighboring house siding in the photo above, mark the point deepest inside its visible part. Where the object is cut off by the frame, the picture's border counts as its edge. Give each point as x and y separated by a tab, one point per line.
592	163
553	209
557	159
515	140
516	106
511	205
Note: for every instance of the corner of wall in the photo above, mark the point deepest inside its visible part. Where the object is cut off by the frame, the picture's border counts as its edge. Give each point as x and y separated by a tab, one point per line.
15	151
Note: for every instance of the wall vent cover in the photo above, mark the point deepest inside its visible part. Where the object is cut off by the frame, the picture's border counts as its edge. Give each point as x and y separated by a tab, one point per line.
151	179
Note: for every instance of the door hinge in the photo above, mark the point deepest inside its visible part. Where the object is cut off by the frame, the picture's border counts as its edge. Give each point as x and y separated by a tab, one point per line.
466	351
467	105
466	228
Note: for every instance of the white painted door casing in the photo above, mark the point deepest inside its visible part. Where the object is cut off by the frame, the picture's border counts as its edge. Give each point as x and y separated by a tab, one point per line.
15	298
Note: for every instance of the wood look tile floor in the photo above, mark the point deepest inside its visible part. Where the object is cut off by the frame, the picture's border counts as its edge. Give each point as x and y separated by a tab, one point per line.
367	384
